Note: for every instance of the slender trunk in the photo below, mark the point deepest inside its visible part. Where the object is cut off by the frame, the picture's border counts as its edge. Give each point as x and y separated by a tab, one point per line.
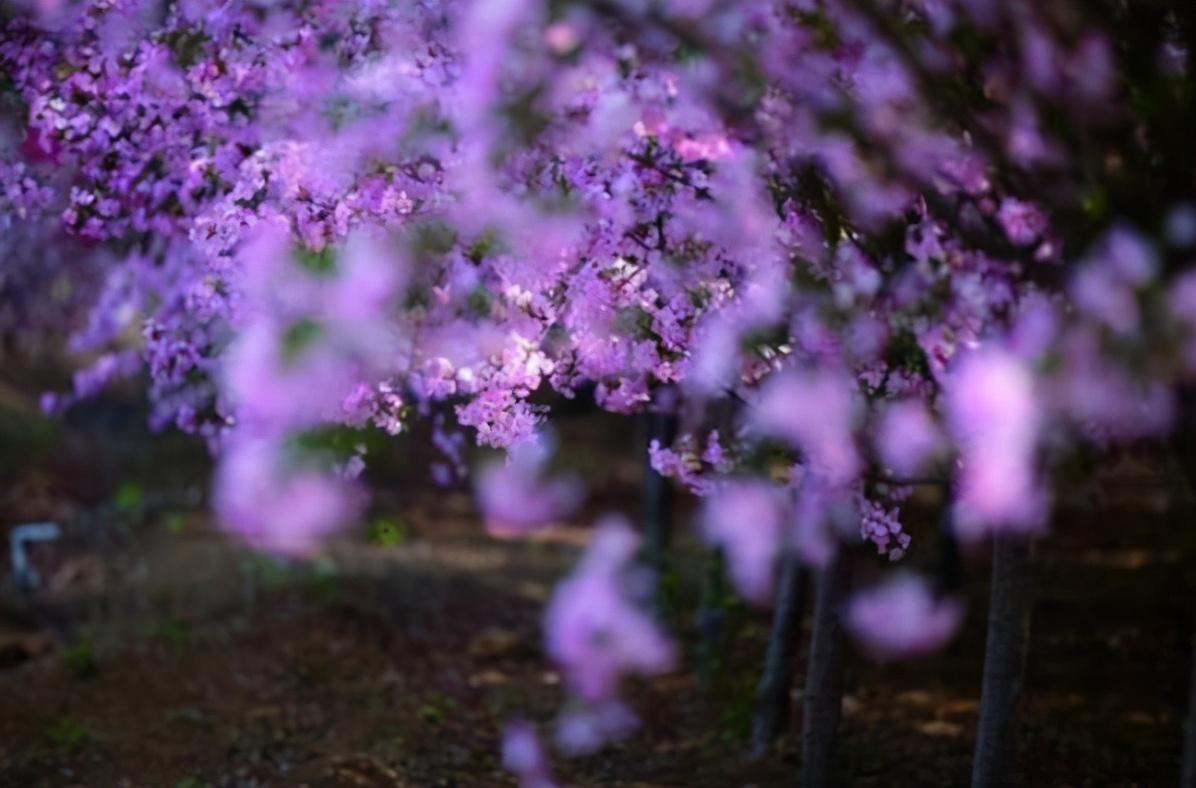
950	575
823	698
995	759
776	681
1188	777
1185	448
712	621
658	503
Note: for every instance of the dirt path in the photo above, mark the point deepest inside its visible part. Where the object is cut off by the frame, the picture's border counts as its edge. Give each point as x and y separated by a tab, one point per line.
396	666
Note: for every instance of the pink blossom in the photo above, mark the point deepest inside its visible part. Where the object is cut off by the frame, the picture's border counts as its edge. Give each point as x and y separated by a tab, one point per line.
587	728
594	626
523	756
276	507
1023	222
515	496
746	518
907	437
816	412
903	618
994	416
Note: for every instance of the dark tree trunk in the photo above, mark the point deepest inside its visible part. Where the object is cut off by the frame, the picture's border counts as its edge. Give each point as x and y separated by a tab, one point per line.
823	697
995	760
658	494
713	621
776	681
1185	449
950	575
1188	777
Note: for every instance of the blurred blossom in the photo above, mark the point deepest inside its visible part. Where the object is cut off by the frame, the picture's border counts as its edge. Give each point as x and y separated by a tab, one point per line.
1128	256
814	534
108	367
1180	226
713	455
994	415
1027	143
815	411
1105	286
1103	399
264	496
516	498
1182	302
284	378
1091	68
524	757
1105	299
586	728
715	358
1023	222
907	437
882	527
902	618
1035	327
746	518
595	627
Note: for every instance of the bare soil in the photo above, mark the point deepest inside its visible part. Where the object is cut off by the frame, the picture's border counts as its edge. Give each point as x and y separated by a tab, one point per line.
172	658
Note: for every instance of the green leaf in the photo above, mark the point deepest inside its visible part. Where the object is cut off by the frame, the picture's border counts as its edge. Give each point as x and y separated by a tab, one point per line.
175	522
80	660
385	532
298	337
128	496
322	262
69	734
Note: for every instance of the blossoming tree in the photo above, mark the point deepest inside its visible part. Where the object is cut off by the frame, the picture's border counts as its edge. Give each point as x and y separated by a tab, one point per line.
854	246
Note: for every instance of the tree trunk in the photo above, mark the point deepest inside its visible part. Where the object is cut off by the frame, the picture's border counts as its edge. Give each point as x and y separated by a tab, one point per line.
658	494
776	681
823	697
658	503
1185	448
1188	776
995	759
712	622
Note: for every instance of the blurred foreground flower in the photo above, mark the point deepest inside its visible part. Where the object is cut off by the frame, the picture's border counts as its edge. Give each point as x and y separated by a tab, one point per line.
279	508
994	414
523	756
903	618
516	498
747	519
596	630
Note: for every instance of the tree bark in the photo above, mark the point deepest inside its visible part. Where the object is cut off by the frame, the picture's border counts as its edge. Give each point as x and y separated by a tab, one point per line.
712	621
658	494
823	697
1188	775
995	759
772	693
1185	448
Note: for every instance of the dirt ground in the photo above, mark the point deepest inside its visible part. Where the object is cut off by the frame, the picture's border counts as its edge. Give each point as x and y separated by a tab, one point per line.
172	658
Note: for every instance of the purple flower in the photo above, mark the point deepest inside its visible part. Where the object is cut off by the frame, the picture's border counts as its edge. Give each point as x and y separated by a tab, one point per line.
594	627
277	507
816	412
903	618
907	437
524	757
746	518
1023	222
515	498
587	728
994	415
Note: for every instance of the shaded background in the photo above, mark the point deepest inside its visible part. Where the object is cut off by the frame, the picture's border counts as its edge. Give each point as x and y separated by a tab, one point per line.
158	652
